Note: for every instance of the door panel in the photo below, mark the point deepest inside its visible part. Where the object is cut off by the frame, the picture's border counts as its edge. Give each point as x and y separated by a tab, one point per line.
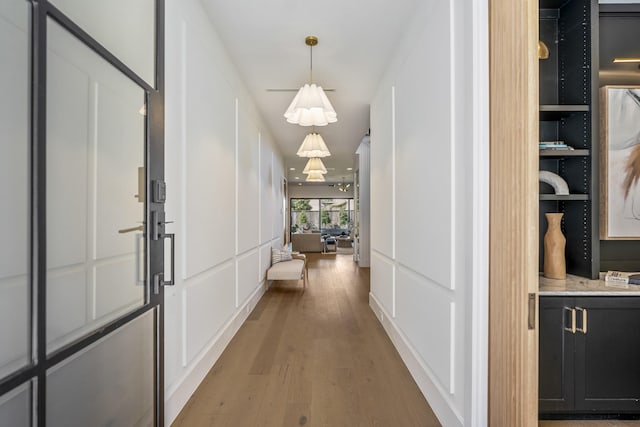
15	407
556	352
607	370
81	141
134	40
95	145
14	186
106	384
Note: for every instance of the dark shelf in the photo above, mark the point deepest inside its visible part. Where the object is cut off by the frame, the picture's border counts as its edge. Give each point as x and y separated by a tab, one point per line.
568	111
562	198
564	153
557	111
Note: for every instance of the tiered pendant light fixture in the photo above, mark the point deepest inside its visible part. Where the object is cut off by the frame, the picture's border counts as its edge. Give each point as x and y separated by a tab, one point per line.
313	146
315	177
311	107
315	165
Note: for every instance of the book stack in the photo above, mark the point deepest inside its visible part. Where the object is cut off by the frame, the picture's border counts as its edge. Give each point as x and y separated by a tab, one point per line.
624	278
553	145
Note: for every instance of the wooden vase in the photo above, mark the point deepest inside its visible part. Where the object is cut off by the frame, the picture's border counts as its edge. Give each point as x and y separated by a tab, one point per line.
555	266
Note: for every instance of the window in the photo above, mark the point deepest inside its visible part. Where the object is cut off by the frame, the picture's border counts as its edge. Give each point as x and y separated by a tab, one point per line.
326	216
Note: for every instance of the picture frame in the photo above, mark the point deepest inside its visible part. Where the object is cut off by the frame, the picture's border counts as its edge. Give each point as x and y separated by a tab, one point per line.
620	163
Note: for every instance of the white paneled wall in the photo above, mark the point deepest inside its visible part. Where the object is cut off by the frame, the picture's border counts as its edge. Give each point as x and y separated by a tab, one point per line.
247	189
364	201
268	187
224	192
207	146
423	218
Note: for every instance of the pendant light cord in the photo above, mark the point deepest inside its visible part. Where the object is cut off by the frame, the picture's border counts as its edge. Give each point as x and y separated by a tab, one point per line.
311	64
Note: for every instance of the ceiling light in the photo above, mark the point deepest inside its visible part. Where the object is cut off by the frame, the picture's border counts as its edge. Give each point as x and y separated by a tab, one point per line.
292	169
313	146
349	169
343	187
623	60
314	165
315	177
297	177
311	107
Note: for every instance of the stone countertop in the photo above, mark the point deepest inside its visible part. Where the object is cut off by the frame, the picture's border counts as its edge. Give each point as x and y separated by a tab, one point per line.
581	286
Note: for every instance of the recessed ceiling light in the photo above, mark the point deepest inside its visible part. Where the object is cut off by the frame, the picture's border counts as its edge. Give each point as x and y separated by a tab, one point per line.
297	177
292	169
299	183
349	169
623	60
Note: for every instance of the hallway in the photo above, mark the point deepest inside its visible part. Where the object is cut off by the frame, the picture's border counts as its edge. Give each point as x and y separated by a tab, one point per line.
314	358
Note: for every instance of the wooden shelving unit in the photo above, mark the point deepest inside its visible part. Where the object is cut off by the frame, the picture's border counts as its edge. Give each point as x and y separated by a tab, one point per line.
568	112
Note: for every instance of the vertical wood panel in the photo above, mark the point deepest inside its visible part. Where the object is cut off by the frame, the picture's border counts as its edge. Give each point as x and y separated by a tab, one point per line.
514	211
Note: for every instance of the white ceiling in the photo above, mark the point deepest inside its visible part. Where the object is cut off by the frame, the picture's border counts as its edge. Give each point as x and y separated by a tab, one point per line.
265	40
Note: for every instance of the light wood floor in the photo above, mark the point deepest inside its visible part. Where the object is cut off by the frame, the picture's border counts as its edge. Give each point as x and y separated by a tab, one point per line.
589	423
312	358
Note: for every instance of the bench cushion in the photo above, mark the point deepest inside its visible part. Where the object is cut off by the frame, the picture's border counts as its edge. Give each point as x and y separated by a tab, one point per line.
286	270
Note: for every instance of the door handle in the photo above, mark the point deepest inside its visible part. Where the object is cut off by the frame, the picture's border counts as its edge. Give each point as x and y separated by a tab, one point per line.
532	312
572	329
129	230
583	329
140	264
158	278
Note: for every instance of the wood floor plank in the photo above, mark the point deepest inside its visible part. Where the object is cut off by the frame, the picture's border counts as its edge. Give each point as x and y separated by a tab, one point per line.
311	357
265	355
589	423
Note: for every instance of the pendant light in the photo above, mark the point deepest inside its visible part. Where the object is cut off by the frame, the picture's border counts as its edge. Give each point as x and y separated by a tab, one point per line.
343	187
311	107
314	165
315	177
313	146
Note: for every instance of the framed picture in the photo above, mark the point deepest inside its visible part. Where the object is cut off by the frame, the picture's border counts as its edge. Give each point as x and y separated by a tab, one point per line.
620	163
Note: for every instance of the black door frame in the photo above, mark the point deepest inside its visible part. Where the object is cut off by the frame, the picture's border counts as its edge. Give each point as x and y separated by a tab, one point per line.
154	169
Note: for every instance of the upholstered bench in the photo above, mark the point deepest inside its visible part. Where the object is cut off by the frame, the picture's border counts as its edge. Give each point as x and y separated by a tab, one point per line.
294	269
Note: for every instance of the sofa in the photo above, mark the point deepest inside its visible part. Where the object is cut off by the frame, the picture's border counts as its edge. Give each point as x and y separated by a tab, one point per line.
306	242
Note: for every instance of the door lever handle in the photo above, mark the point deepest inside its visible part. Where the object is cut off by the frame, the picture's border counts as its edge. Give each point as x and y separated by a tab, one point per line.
129	230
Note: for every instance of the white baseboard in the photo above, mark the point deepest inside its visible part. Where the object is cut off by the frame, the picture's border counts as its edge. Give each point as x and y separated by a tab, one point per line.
436	396
178	395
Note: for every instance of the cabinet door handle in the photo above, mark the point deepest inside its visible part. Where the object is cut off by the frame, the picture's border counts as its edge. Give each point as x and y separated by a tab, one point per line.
584	320
572	329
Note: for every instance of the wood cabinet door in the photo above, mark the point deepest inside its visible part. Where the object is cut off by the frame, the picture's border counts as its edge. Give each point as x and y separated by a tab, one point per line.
607	356
556	372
